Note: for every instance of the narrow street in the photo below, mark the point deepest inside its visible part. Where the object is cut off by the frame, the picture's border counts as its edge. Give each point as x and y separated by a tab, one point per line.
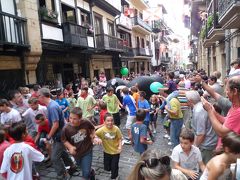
127	160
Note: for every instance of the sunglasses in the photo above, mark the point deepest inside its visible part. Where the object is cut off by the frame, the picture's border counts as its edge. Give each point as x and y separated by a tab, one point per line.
151	163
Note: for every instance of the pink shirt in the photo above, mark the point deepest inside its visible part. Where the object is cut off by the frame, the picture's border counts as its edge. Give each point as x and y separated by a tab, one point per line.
232	122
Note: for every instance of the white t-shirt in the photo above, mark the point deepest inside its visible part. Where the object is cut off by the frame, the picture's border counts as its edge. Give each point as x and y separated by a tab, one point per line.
17	161
10	117
30	114
187	161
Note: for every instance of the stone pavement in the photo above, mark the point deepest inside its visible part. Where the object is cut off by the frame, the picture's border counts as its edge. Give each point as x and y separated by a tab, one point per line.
128	158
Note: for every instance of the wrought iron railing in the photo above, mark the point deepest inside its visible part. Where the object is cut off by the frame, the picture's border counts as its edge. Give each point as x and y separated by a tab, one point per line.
142	52
224	5
127	51
74	34
12	30
107	42
138	21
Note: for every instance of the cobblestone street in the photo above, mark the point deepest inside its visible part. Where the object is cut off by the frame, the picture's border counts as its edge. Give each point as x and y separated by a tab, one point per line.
128	158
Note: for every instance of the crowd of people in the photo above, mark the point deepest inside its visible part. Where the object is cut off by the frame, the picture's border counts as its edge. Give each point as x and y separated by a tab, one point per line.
200	122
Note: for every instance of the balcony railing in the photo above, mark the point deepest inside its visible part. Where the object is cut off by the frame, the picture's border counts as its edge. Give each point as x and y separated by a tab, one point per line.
165	59
12	30
142	52
107	42
127	51
138	21
74	34
212	20
225	5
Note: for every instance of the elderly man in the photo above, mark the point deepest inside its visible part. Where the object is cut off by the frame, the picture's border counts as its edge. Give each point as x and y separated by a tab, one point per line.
205	136
223	125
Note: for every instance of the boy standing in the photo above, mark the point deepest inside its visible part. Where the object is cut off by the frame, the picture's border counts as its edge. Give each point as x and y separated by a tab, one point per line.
18	158
139	133
111	137
112	105
77	137
186	157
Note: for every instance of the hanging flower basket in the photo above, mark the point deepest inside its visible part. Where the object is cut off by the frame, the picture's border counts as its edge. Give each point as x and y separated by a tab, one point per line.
48	15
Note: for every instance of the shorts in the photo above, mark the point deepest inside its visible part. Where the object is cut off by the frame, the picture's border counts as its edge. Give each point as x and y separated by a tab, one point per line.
129	122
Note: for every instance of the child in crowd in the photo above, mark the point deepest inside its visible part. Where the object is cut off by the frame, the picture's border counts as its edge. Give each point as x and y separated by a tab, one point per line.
42	132
103	111
186	157
18	157
144	104
63	103
135	94
111	137
130	104
154	106
29	115
218	166
139	133
78	137
71	100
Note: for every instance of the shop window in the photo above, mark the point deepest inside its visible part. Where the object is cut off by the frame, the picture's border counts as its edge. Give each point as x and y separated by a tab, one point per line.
68	14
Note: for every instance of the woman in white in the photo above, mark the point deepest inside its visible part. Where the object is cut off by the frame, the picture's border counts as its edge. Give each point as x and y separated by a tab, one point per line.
218	168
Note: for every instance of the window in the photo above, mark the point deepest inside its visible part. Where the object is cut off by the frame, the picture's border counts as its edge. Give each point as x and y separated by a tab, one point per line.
49	4
127	39
143	43
98	25
110	28
141	15
68	14
85	18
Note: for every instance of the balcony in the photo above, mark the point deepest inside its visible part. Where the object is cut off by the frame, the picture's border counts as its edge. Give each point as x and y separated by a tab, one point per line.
107	42
74	35
127	51
141	26
165	60
229	13
124	22
12	30
142	52
157	26
214	32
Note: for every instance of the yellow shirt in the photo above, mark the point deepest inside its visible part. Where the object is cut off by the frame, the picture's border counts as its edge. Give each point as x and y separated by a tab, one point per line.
110	139
175	106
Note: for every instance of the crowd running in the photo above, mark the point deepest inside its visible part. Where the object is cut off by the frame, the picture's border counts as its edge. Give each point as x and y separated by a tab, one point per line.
62	126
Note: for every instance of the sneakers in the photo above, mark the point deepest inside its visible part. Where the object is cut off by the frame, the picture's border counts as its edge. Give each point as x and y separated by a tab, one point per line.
169	143
166	136
127	142
154	131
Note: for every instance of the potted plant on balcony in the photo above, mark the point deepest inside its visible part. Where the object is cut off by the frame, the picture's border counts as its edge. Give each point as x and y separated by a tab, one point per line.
209	22
203	33
48	15
90	29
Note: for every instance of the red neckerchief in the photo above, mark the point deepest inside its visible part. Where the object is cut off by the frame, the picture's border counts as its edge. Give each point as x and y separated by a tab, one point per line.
84	96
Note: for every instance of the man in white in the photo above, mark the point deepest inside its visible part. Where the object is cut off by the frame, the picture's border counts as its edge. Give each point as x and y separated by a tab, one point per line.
30	114
8	115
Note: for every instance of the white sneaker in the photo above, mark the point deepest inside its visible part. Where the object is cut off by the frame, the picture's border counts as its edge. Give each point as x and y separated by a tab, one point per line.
154	131
169	138
166	136
127	142
169	143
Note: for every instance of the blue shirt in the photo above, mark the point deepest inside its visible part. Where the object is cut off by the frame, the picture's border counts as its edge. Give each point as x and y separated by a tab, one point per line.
63	103
129	103
55	114
138	131
144	105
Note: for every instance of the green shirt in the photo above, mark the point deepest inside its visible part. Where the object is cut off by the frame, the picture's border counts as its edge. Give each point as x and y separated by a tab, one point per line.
112	103
86	103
